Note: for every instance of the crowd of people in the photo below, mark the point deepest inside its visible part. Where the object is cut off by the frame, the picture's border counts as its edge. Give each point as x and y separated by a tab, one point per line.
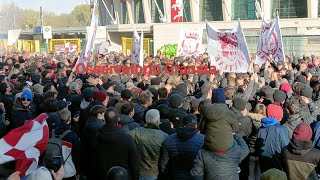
262	124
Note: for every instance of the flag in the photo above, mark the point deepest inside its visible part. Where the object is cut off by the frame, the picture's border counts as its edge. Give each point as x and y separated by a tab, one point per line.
190	42
137	48
177	10
91	35
104	45
228	49
25	144
270	42
13	36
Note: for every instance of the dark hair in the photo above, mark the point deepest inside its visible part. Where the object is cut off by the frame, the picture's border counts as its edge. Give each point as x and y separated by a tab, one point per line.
3	87
2	78
127	108
47	87
95	110
293	105
111	115
126	94
17	66
49	94
22	79
14	76
51	105
162	93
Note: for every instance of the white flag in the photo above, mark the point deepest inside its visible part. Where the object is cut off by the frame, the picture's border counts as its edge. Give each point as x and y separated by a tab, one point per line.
13	36
104	45
270	42
190	42
137	48
228	50
91	34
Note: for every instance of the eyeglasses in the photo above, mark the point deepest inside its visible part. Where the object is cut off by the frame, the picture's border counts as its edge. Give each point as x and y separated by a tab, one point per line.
25	99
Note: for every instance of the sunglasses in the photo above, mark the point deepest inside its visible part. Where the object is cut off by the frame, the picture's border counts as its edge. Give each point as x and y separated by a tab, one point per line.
25	99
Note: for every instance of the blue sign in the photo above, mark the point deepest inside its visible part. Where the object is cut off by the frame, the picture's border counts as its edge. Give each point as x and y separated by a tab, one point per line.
37	30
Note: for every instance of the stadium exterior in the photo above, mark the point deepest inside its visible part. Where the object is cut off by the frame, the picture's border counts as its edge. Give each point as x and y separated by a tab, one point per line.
300	21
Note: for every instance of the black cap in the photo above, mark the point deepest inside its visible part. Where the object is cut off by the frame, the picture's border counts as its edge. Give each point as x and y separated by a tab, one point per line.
189	120
62	104
239	103
126	94
279	96
306	91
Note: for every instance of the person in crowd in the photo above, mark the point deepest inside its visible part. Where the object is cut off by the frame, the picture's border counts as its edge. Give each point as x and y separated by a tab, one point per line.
272	137
126	96
115	147
72	154
140	108
8	99
126	120
300	157
180	150
21	111
274	174
51	108
143	138
294	119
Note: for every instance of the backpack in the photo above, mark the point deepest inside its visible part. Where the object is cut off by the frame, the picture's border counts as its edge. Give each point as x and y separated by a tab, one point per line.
54	148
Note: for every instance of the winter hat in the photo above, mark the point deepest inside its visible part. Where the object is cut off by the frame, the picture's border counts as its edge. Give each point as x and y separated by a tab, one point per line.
301	78
26	94
275	111
183	88
107	85
266	92
87	93
302	132
205	88
274	174
285	87
306	91
195	104
279	96
176	100
117	173
239	103
153	116
189	120
218	96
99	95
126	94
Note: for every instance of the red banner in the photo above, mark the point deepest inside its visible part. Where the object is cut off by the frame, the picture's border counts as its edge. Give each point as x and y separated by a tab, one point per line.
176	10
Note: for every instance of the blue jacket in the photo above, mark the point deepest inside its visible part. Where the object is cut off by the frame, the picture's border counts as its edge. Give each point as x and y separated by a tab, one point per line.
127	122
272	137
316	135
178	152
139	113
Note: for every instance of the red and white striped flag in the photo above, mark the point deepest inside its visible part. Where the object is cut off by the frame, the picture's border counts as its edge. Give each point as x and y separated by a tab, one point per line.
270	42
25	144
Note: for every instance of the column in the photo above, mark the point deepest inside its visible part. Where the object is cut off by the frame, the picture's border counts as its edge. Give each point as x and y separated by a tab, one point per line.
146	11
266	8
195	10
129	11
312	8
117	11
167	9
226	9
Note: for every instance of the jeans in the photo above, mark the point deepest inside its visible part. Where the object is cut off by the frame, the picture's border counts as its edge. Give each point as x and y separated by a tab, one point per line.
254	168
148	178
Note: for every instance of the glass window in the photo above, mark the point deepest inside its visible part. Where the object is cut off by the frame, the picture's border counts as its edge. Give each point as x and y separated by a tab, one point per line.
155	15
138	11
124	14
211	10
244	9
290	8
186	11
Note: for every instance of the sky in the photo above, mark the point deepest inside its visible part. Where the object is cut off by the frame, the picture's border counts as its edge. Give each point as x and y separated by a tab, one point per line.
56	6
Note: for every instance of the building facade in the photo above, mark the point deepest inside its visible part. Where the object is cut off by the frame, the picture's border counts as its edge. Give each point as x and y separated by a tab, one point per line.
300	20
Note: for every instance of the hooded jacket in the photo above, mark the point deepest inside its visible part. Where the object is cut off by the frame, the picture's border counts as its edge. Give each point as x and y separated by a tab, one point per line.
127	123
301	159
272	137
292	122
148	140
116	148
245	127
256	124
139	113
178	153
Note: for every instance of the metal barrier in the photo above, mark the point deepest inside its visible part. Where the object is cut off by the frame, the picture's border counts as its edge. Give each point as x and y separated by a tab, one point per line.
127	46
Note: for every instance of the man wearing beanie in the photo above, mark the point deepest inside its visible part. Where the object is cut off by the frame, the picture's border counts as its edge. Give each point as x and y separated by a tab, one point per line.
294	119
148	140
240	109
309	110
272	137
175	148
21	109
280	97
218	96
126	96
300	157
